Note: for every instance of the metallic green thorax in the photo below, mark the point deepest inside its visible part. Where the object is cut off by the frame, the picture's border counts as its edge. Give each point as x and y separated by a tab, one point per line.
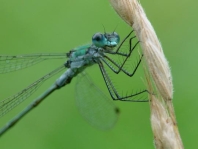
79	51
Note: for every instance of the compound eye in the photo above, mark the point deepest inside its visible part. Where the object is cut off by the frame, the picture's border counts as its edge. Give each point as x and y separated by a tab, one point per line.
115	34
97	37
98	40
117	37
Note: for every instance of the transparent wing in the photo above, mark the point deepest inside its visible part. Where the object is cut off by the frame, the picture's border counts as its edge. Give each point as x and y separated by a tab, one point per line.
12	63
94	105
9	103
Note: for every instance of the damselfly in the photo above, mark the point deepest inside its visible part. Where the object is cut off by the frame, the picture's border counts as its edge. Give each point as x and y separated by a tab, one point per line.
93	104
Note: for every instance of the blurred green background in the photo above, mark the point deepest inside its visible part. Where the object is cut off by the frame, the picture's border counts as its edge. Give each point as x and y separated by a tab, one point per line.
50	26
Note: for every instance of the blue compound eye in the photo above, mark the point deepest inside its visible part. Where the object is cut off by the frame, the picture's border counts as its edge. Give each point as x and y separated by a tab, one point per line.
98	40
97	37
117	37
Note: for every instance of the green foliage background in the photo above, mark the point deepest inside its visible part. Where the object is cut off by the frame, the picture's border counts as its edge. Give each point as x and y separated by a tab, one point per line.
49	26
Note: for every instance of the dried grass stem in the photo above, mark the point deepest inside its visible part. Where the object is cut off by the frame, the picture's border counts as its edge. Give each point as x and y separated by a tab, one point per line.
158	75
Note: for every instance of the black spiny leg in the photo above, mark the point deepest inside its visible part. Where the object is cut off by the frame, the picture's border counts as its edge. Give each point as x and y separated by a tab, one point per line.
114	94
119	67
107	60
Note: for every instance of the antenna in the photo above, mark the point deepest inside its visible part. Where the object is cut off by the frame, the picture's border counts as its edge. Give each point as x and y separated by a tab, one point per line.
115	28
104	29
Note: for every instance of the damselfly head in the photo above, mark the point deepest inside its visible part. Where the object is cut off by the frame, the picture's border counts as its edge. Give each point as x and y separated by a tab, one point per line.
106	40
